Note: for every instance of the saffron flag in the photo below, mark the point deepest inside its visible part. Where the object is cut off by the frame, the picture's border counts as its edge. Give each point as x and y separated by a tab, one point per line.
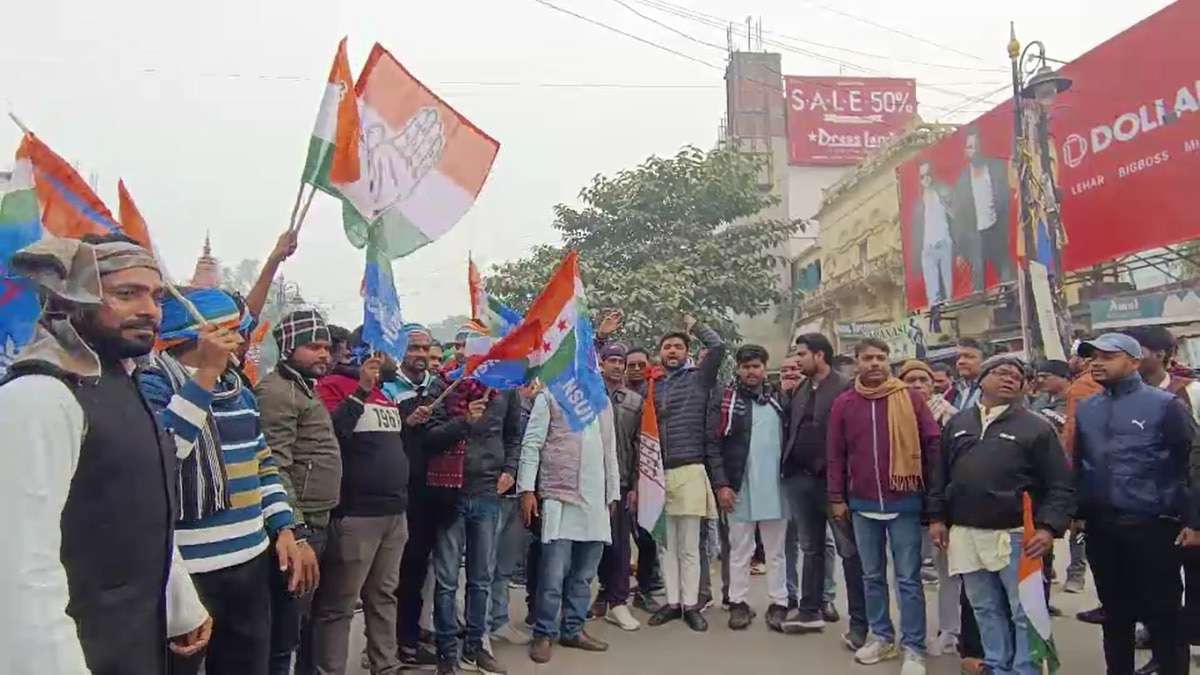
652	481
19	227
333	150
516	347
132	221
254	351
69	206
383	325
566	360
1031	592
498	317
423	163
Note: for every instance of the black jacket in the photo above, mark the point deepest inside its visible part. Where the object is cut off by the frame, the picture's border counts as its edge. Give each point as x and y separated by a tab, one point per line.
681	402
419	439
730	419
627	420
804	449
493	441
979	480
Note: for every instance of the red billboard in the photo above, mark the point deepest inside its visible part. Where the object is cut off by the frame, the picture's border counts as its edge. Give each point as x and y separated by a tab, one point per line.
1125	156
836	121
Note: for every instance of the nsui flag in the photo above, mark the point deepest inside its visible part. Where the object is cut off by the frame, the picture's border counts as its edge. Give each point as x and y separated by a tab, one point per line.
422	162
1031	591
566	362
383	327
19	227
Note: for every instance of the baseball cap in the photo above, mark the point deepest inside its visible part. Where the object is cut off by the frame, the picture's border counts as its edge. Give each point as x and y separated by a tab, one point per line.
610	350
1055	367
1111	342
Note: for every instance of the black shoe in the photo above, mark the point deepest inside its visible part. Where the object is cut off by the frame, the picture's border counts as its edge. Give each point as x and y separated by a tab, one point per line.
793	604
804	621
646	601
855	638
426	637
695	620
1092	616
775	616
665	614
740	616
1150	668
417	658
705	602
481	662
1054	611
447	667
598	609
830	613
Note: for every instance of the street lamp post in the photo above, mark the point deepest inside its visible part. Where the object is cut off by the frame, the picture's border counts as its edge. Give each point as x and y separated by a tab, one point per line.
1035	87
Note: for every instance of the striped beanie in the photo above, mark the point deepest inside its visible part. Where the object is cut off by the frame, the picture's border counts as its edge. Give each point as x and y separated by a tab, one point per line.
470	329
298	329
416	329
216	306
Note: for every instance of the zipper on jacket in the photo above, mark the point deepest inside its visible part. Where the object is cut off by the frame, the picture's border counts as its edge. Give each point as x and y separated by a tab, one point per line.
875	456
304	487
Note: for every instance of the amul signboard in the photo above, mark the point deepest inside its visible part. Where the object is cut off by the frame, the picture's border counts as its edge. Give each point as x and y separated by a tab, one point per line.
837	121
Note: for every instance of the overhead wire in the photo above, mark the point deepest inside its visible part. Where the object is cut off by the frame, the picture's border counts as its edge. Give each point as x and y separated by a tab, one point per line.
871	22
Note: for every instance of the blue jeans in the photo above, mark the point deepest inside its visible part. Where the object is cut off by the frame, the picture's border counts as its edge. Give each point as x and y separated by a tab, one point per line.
990	593
903	533
510	550
564	582
473	527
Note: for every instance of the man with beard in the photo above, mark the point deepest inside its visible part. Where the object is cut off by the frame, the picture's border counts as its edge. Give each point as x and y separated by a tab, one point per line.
805	486
414	390
681	402
611	602
299	432
233	504
83	455
1133	444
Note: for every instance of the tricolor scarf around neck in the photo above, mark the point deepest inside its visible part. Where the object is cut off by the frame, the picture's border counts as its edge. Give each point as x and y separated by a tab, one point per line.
904	437
203	483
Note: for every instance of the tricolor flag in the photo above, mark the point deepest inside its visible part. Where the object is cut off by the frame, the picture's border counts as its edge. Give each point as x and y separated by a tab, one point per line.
1032	594
485	309
423	163
69	206
566	360
652	482
254	351
514	348
333	150
19	227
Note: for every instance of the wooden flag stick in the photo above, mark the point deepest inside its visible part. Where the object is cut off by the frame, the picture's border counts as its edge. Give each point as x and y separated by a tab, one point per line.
445	392
299	219
296	205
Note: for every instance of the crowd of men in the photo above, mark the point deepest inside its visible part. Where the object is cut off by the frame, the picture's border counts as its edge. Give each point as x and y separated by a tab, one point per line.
174	516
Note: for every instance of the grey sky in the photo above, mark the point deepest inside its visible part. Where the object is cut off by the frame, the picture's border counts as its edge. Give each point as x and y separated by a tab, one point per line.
205	110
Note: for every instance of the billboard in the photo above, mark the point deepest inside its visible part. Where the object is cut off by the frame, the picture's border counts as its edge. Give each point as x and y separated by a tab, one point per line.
837	121
1125	153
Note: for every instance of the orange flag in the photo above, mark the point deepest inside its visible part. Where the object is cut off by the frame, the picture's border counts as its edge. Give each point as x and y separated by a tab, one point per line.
69	206
132	221
345	167
254	351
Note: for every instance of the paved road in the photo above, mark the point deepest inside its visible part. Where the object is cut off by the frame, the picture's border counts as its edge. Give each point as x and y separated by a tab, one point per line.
674	649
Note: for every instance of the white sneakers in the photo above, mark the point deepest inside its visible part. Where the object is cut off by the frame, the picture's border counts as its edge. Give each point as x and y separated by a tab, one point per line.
621	617
944	643
914	664
512	634
877	650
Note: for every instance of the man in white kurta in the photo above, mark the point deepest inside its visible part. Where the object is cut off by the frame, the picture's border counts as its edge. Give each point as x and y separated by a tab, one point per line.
576	476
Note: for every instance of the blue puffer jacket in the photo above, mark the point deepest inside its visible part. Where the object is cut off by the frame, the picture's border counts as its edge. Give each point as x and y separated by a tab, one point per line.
1132	447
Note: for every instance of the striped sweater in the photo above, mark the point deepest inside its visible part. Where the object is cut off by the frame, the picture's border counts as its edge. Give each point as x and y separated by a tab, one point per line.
258	502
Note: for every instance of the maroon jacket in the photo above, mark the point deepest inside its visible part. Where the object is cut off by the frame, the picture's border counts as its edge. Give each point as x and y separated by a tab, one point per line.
859	454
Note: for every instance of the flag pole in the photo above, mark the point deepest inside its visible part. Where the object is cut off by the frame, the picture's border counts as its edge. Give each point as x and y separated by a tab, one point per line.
170	287
298	219
445	392
296	205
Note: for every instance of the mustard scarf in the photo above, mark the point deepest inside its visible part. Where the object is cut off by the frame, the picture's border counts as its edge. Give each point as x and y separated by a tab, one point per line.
904	439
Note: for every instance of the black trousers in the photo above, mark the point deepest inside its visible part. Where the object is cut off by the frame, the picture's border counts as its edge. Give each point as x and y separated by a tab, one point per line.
1191	594
239	600
648	577
533	567
614	564
424	514
1136	564
290	614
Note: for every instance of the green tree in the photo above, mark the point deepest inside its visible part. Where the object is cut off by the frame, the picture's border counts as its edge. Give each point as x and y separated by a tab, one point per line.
667	238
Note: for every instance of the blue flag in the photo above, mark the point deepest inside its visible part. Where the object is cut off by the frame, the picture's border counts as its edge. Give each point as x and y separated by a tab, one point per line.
383	326
20	226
